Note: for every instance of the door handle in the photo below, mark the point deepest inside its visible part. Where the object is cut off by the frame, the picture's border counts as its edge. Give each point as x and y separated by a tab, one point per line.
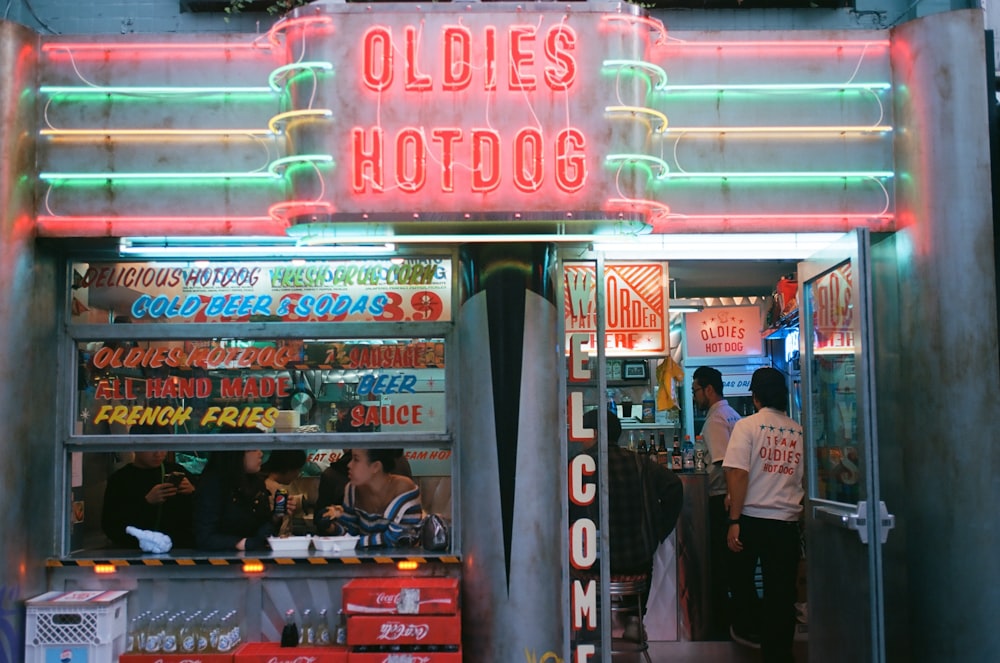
856	519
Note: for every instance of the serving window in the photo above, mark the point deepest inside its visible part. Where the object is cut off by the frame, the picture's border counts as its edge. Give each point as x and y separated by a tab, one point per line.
319	357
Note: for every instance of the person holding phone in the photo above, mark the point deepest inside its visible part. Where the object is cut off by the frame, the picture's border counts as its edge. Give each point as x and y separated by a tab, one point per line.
149	493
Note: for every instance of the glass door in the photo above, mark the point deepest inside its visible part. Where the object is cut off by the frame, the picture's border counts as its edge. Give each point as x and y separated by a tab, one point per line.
846	521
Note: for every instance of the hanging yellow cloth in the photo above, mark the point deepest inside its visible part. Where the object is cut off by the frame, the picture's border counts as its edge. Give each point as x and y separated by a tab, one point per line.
668	372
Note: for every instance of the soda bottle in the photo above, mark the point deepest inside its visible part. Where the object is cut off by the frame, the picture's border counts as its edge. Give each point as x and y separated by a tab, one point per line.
676	464
307	635
341	636
700	453
662	457
153	642
687	454
290	632
168	644
187	641
323	629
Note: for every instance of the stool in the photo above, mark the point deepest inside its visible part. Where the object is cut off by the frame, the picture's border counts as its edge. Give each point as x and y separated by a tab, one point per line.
626	604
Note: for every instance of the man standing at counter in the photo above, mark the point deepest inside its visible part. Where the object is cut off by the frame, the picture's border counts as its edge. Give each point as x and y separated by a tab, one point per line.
707	394
764	472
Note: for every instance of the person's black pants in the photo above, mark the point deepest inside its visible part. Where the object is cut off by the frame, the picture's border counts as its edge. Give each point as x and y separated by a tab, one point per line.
776	544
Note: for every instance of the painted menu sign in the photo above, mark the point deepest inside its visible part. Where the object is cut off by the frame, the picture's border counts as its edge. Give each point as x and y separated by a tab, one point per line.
635	306
385	290
284	385
725	331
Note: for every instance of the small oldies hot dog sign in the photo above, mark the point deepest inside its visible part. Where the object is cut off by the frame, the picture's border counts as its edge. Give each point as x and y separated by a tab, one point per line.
730	331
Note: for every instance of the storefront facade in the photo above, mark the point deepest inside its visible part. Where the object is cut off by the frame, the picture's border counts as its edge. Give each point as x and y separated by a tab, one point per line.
449	136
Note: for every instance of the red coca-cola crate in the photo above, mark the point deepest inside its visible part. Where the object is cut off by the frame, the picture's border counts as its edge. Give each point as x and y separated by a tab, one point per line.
401	596
406	657
404	629
175	658
273	652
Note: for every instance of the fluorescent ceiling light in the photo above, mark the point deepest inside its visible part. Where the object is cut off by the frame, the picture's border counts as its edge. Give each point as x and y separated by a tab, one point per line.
735	246
243	247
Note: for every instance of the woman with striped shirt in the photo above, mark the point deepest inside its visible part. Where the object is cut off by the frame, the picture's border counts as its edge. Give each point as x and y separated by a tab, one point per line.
381	507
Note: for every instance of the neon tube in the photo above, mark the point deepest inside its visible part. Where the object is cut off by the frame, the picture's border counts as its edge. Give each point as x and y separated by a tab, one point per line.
160	45
641	110
281	118
789	174
287	23
162	89
654	25
55	177
154	133
775	87
846	129
280	164
295	66
120	226
832	44
659	164
649	67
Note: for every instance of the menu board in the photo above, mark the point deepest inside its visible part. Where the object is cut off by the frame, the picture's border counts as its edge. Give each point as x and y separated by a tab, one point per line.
384	290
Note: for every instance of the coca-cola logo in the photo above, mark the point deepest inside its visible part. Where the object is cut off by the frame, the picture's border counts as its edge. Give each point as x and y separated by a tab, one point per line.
398	630
297	659
386	599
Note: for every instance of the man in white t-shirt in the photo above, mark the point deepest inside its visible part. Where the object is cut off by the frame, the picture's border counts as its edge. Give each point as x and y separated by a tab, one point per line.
707	394
764	466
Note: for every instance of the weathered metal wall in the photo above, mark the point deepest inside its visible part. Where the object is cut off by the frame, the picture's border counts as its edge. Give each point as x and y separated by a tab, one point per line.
939	409
27	350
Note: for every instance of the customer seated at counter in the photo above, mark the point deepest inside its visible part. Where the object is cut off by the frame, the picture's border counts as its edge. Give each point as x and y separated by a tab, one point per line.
333	482
232	505
149	494
381	507
282	467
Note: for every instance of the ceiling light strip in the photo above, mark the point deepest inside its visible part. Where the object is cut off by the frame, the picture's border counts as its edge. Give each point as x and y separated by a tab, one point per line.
785	174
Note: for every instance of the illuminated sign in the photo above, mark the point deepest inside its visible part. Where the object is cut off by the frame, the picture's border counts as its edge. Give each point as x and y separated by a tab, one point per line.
436	113
725	331
635	306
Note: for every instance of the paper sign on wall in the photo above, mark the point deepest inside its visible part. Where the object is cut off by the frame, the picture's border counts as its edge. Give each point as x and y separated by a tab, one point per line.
728	331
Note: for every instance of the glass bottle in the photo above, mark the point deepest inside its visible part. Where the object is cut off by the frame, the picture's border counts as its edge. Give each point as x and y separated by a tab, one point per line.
307	634
290	632
687	454
700	453
662	456
341	636
187	641
323	629
333	419
168	644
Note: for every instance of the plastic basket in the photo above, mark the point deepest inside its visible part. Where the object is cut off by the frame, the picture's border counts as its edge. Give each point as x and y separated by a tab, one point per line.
93	623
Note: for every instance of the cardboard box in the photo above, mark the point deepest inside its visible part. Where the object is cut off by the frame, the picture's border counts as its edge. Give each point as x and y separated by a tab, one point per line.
401	596
272	652
175	658
406	657
404	629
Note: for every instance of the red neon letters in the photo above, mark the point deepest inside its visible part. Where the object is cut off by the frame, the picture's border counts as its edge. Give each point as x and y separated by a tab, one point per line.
537	60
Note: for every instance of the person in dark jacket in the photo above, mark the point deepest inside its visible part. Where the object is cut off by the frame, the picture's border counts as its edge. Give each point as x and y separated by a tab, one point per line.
232	506
149	494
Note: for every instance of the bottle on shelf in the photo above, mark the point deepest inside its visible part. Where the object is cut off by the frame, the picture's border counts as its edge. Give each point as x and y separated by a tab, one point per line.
168	643
611	401
676	463
652	448
643	449
662	455
332	419
204	632
187	640
341	635
153	641
687	454
648	407
307	634
700	453
631	440
323	629
290	632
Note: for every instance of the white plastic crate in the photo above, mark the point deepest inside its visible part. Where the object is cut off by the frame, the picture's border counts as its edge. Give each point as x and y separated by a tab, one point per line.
81	627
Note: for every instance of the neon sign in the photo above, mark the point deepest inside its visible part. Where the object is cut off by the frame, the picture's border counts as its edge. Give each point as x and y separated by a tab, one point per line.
472	114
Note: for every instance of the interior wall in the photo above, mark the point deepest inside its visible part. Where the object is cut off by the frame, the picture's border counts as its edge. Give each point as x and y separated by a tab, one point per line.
946	411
